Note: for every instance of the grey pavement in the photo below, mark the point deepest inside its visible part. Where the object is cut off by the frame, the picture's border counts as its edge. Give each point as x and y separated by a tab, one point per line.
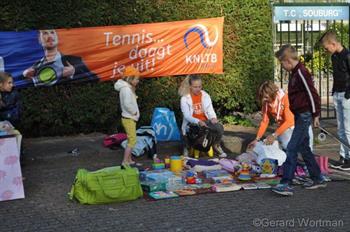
49	172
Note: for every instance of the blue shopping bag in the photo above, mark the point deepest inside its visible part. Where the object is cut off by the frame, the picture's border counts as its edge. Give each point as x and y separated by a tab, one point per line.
164	124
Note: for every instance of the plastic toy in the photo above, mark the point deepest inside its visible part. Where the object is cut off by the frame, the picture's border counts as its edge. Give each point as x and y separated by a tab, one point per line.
167	162
269	168
158	166
244	173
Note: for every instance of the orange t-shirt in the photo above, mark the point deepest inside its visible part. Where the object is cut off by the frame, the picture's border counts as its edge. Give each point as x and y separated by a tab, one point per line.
197	107
281	113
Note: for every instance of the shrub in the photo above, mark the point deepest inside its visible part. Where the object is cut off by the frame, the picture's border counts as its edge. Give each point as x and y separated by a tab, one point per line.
69	109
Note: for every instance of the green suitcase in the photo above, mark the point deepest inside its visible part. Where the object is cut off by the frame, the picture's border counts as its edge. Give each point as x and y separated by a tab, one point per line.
112	184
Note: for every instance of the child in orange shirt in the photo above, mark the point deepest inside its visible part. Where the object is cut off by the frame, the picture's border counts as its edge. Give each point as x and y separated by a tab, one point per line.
197	108
275	104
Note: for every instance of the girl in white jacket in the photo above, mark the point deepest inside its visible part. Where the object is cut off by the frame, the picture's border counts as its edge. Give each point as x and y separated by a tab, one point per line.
197	108
129	107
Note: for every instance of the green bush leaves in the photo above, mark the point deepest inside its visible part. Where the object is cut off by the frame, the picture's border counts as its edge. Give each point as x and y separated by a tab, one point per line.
70	109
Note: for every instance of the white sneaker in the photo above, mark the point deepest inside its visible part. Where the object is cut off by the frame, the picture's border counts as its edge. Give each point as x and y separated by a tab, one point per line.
223	155
217	148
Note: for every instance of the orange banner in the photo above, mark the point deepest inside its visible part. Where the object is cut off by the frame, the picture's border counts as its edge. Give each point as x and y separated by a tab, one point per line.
157	49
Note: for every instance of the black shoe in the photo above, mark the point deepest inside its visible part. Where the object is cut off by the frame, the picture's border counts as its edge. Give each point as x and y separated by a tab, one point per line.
337	163
345	166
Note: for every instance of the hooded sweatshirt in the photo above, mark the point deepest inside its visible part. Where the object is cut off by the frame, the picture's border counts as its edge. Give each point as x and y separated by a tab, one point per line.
128	101
187	109
280	111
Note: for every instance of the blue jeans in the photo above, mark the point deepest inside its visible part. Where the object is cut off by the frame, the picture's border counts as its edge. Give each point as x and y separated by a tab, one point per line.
342	109
284	138
299	143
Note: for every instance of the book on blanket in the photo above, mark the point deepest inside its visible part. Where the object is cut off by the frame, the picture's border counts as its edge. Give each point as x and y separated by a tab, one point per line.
185	192
215	173
249	186
162	195
226	187
262	185
223	179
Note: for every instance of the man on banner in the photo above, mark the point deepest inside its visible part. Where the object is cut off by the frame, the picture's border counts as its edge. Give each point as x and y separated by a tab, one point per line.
56	67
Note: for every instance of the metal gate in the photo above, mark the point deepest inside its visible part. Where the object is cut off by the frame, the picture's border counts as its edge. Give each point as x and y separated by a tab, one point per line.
301	25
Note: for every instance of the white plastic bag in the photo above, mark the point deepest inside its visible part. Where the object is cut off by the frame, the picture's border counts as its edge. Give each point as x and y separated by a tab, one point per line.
269	152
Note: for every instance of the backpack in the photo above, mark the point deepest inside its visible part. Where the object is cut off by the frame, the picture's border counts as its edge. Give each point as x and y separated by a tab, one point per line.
113	141
146	142
200	138
112	184
164	124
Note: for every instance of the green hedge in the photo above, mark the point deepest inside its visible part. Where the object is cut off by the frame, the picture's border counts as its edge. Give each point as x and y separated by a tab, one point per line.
69	109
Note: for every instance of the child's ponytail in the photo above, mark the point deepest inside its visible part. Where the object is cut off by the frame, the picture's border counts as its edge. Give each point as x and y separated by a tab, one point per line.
184	87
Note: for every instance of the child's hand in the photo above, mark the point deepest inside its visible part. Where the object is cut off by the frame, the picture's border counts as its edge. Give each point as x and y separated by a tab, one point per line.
347	94
252	144
214	120
317	121
202	123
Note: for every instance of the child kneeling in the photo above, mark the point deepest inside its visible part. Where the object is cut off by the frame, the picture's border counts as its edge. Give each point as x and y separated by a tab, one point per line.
197	108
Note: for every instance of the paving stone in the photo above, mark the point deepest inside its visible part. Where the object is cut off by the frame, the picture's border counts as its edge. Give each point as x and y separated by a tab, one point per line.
49	178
